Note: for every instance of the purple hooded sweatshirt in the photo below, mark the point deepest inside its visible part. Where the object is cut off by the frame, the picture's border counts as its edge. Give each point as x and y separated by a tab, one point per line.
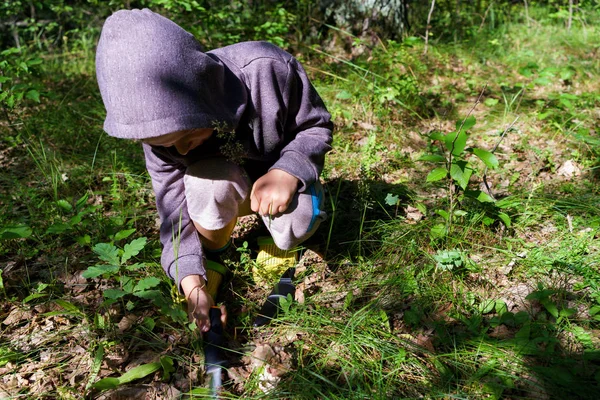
155	79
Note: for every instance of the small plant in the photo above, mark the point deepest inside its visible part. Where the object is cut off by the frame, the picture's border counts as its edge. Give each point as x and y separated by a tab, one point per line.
75	217
116	265
448	260
457	167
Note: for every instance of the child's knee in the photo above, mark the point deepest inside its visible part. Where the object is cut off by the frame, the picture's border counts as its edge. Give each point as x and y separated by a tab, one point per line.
300	221
215	189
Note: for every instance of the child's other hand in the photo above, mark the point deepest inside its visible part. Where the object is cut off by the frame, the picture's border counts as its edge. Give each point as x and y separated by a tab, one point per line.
199	302
273	192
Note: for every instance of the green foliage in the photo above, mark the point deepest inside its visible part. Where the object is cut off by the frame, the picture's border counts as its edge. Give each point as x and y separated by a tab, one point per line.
457	168
17	84
276	27
15	232
139	372
448	260
132	286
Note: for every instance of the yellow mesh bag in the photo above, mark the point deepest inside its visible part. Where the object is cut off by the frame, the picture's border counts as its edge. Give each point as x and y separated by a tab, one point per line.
271	262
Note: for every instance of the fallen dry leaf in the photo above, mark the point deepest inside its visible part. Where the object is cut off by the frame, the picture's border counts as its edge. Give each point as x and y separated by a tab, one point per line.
413	214
17	315
127	322
569	169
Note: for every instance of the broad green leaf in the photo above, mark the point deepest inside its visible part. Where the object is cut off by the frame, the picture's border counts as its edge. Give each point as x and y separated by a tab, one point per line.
127	283
133	248
34	61
490	102
584	337
139	372
97	270
437	135
566	74
114	293
443	213
437	174
33	95
566	102
95	367
343	95
567	312
594	310
83	240
81	201
1	281
480	196
123	234
500	307
58	228
33	296
487	306
146	283
438	231
391	199
505	219
11	50
543	81
76	219
15	232
106	383
107	252
524	332
135	267
483	197
149	294
456	142
149	323
488	158
167	366
64	204
469	122
461	173
69	307
550	306
540	294
509	202
432	158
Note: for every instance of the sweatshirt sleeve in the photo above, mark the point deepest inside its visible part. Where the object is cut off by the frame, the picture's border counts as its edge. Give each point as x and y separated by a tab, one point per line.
182	250
309	124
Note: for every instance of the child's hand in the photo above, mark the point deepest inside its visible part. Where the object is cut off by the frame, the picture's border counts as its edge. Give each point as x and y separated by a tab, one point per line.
199	302
273	192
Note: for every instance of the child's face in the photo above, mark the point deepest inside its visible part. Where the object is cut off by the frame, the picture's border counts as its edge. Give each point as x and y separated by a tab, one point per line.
184	141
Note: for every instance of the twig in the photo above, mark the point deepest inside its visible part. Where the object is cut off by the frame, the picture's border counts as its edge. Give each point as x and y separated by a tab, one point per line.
449	166
468	115
485	17
485	182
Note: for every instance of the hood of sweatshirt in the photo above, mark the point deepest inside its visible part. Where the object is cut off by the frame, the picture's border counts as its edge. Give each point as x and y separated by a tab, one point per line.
155	78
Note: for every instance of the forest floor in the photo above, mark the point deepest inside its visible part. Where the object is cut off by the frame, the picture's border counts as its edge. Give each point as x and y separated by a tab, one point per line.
460	266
